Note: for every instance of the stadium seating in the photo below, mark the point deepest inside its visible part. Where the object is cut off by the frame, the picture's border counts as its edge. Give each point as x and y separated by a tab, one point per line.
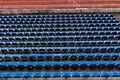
60	45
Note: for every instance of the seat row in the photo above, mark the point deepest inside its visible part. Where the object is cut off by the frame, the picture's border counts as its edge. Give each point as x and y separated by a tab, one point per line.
59	21
60	29
58	57
59	25
59	33
62	43
62	49
54	16
63	64
58	74
55	19
59	38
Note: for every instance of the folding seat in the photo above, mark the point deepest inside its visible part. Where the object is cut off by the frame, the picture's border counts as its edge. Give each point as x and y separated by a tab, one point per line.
73	56
95	74
27	74
12	65
16	57
100	64
92	43
22	65
8	75
105	74
66	74
117	64
80	49
64	49
97	56
65	56
41	57
56	65
33	56
48	56
75	74
106	56
65	64
15	43
4	50
87	49
77	37
103	49
47	74
117	49
56	74
85	74
115	74
4	65
8	57
2	43
47	65
81	56
39	65
74	65
37	74
89	56
24	57
110	64
30	65
57	56
92	64
83	64
114	56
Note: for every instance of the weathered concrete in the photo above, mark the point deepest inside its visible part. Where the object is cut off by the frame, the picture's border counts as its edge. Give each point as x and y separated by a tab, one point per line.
83	10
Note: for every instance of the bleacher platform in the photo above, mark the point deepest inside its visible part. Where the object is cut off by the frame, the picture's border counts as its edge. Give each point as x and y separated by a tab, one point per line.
59	46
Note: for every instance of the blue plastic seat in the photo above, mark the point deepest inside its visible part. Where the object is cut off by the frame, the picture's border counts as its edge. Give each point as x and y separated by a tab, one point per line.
57	56
81	56
114	55
8	75
83	64
73	56
47	64
74	64
75	74
65	64
22	64
105	74
47	74
30	64
65	56
33	56
56	74
48	56
115	74
95	74
110	64
17	75
27	74
92	64
85	74
37	74
40	56
12	65
97	56
101	64
39	64
4	65
25	56
66	74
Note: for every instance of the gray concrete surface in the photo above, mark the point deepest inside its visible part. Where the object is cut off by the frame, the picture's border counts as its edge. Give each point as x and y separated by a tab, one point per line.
83	10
